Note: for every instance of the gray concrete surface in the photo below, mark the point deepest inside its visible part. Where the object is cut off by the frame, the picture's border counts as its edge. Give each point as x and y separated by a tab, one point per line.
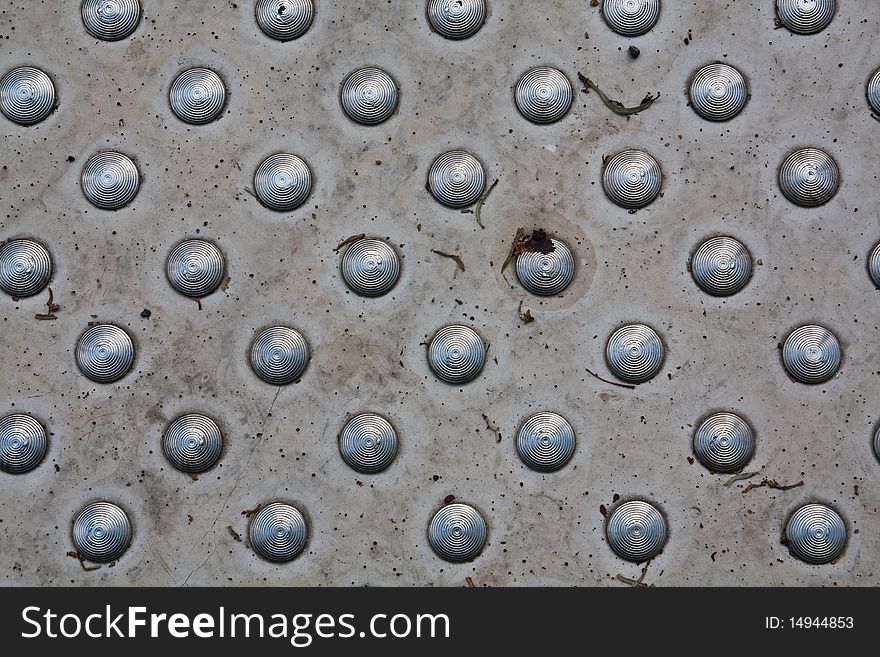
281	443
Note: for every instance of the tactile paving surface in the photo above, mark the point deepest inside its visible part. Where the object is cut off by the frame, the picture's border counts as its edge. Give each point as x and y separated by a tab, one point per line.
456	443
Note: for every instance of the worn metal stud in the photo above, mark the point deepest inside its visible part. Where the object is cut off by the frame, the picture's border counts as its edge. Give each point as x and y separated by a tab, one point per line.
197	96
546	274
370	267
104	353
25	267
631	17
27	95
369	96
283	182
368	443
805	16
543	95
721	266
101	532
816	534
192	443
456	179
457	533
111	20
636	531
718	92
456	354
23	443
632	179
811	354
724	442
284	20
195	268
110	180
545	442
279	355
877	443
874	264
456	19
809	177
873	91
278	532
634	353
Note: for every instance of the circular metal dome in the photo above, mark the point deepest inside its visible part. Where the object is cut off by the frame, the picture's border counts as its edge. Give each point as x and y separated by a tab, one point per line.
811	354
101	532
369	96
197	96
632	179
25	267
27	95
23	443
874	264
457	533
809	177
283	182
104	353
279	355
718	92
543	95
456	19
816	534
724	442
456	179
546	274
634	353
456	354
368	443
284	20
192	443
805	16
111	20
631	17
278	532
636	531
195	268
873	91
370	267
721	266
545	442
110	180
877	443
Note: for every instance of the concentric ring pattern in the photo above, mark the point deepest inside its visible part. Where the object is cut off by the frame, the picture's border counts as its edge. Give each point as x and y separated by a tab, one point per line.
456	354
632	179
805	16
111	20
25	267
195	267
724	442
192	443
545	442
369	96
279	355
27	95
23	443
284	20
811	354
370	267
457	533
721	266
636	531
110	180
104	353
456	179
809	177
816	534
283	182
543	95
634	353
456	19
631	17
197	96
873	91
278	532
877	443
874	264
546	274
718	92
368	443
101	532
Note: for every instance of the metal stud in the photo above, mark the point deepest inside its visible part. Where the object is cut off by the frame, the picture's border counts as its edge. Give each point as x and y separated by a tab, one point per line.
543	95
278	532
811	354
456	179
111	20
27	95
545	442
805	16
195	268
279	355
283	182
192	443
23	443
457	533
809	177
104	353
718	92
110	180
721	266
816	534
634	353
873	91
197	96
877	443
456	354
25	267
284	20
101	532
369	96
632	179
546	274
874	264
368	443
636	531
370	267
631	17
724	442
456	19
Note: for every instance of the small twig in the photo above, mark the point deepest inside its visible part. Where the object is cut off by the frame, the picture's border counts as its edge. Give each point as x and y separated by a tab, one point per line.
247	513
250	191
235	535
628	386
520	235
479	206
491	427
614	105
771	483
50	304
470	582
349	240
525	317
739	477
451	256
81	559
45	316
640	581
